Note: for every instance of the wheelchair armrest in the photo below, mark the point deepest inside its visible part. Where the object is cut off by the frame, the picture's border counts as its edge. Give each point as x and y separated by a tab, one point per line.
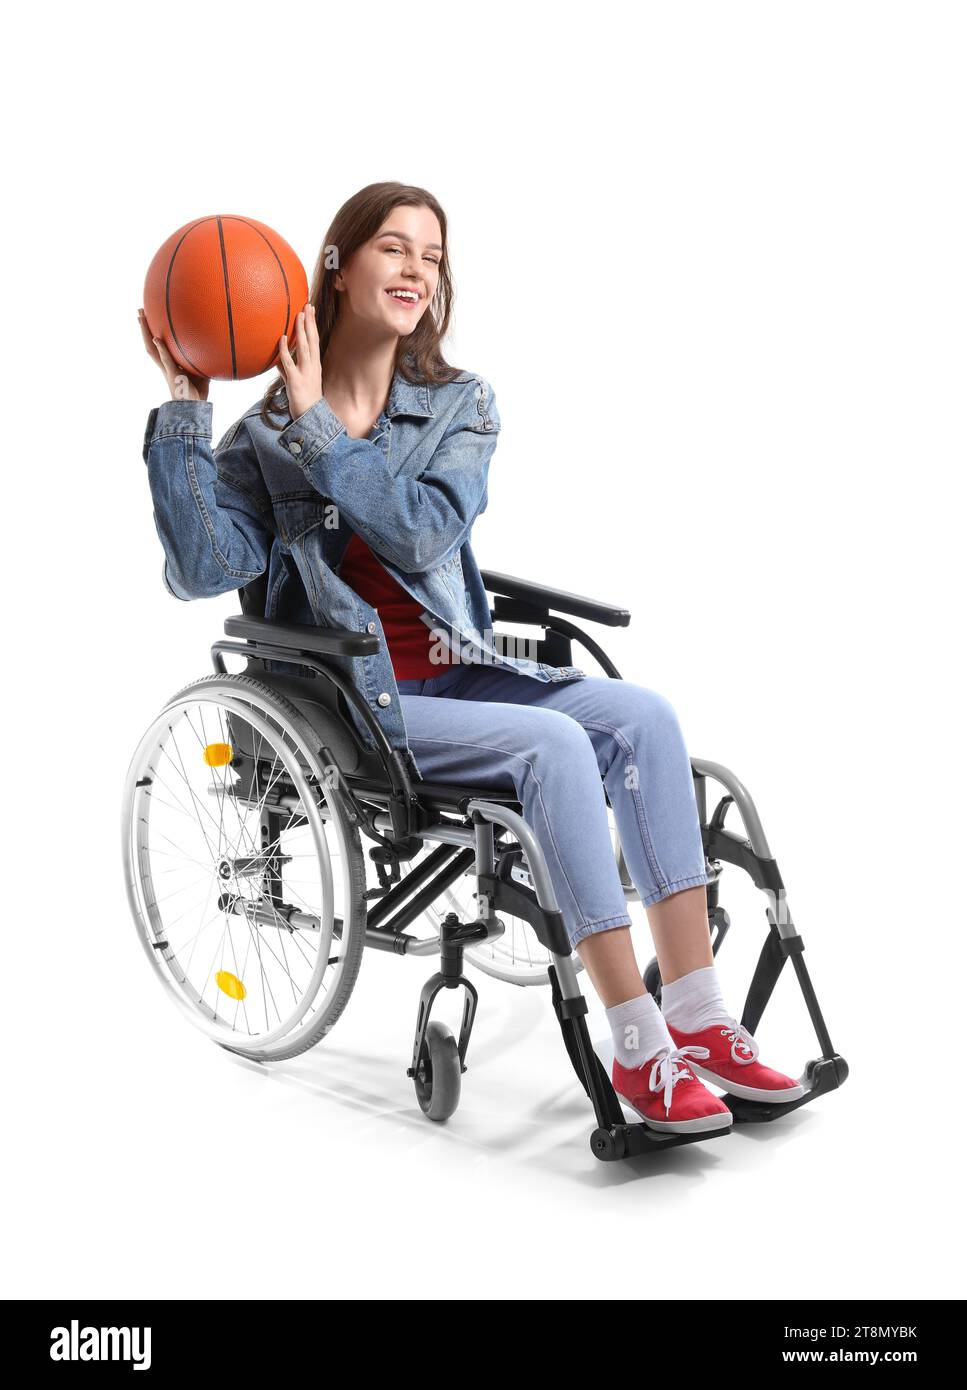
332	640
541	596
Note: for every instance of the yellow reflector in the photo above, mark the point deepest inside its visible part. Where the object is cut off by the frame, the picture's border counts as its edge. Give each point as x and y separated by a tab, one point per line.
228	983
218	754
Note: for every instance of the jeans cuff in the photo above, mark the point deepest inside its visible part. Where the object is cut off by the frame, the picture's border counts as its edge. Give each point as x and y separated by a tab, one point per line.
676	886
603	924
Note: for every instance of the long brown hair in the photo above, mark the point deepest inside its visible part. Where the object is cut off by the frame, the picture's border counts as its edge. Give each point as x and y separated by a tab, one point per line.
419	358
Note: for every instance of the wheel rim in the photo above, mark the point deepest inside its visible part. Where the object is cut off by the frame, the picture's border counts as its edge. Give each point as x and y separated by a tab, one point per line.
235	894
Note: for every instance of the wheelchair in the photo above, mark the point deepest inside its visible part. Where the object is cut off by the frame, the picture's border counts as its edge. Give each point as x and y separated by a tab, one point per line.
244	811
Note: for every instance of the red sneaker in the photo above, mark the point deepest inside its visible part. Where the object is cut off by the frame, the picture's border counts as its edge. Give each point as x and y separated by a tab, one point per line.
733	1063
668	1095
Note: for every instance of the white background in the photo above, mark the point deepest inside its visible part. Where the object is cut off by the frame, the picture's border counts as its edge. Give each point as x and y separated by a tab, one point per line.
711	258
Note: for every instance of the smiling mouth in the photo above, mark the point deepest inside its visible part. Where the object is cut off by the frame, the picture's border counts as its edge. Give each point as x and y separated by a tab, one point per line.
408	297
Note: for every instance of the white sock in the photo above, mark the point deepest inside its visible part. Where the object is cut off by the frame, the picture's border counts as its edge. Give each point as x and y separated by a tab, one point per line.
695	1002
638	1030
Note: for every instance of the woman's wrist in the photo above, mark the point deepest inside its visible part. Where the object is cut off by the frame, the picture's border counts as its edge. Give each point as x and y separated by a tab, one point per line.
196	414
299	407
180	392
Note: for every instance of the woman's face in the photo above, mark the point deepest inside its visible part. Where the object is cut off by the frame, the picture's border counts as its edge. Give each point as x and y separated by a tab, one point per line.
404	255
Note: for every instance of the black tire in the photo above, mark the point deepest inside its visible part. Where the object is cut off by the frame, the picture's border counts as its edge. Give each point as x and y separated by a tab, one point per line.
438	1073
652	979
355	868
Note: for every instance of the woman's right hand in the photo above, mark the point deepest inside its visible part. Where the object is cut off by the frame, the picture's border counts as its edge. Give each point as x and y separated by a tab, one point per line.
303	374
182	385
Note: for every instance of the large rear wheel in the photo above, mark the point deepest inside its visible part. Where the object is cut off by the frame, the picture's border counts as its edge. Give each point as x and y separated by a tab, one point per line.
244	869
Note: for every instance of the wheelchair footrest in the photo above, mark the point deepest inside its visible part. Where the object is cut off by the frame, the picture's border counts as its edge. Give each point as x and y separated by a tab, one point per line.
824	1074
628	1140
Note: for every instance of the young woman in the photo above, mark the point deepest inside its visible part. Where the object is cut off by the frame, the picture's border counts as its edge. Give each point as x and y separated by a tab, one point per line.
367	414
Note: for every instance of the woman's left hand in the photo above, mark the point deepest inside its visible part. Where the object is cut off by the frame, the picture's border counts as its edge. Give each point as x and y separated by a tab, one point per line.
303	375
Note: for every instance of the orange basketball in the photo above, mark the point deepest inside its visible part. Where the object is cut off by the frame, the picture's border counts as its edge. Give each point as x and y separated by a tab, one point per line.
221	292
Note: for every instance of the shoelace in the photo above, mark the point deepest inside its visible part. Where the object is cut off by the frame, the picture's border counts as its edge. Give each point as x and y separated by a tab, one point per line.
741	1037
668	1069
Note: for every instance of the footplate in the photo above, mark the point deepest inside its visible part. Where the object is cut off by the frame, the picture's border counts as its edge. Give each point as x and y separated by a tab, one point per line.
625	1141
822	1075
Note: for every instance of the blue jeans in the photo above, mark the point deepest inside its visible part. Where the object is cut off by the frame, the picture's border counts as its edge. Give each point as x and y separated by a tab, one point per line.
554	742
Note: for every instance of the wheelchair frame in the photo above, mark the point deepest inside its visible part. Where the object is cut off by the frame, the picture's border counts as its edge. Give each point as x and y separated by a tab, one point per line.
471	827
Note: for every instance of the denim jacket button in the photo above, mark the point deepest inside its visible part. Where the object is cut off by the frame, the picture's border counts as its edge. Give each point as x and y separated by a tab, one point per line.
383	699
295	447
370	627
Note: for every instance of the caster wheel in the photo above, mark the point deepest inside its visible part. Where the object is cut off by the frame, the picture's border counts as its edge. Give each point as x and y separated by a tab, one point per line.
438	1072
653	981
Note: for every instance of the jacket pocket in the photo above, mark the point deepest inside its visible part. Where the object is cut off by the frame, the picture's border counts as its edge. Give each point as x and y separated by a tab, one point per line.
295	516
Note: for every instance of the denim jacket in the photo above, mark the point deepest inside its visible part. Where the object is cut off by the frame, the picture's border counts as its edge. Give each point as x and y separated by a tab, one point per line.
287	501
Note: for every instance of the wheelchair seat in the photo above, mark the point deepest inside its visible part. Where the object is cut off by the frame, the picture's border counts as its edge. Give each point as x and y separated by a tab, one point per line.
441	796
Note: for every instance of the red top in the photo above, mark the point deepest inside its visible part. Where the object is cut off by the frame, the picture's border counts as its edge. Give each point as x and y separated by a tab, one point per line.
407	637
